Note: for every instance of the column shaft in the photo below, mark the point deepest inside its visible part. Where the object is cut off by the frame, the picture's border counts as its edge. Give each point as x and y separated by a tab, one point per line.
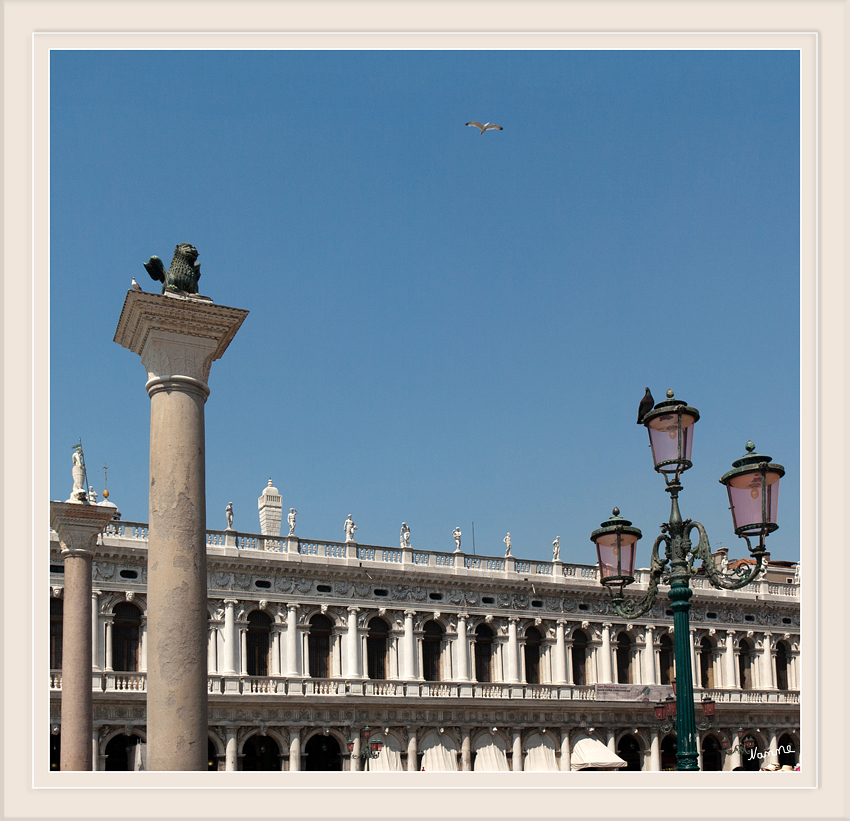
177	581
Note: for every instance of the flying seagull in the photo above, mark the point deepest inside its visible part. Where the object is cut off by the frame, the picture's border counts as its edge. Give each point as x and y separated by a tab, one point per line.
485	126
136	286
645	406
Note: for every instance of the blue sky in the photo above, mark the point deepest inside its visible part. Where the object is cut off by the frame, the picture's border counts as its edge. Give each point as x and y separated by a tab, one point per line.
444	328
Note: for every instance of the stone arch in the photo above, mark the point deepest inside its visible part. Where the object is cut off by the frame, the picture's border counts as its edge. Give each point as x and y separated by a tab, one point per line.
711	747
540	751
439	751
490	751
246	744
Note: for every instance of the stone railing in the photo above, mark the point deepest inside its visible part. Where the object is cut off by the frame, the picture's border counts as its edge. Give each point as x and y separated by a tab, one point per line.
456	563
110	682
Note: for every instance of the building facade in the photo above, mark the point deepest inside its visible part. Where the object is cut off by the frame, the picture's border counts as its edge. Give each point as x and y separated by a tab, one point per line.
453	661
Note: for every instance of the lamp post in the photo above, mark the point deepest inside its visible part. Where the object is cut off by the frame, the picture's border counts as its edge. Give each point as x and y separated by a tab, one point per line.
753	487
373	748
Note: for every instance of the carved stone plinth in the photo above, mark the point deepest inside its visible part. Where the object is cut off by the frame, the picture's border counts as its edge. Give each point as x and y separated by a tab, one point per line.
78	525
178	338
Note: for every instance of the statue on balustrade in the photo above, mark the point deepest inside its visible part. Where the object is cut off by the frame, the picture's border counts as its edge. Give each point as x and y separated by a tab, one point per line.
78	472
405	535
507	541
456	535
350	527
556	549
229	513
291	519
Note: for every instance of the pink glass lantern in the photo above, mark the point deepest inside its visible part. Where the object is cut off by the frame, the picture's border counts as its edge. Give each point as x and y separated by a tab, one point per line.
616	546
753	488
671	434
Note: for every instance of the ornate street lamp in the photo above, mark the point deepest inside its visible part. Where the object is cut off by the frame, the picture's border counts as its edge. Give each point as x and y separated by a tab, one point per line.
373	748
753	487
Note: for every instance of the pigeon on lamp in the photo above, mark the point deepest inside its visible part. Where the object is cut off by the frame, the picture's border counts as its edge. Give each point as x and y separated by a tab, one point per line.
485	127
136	286
645	406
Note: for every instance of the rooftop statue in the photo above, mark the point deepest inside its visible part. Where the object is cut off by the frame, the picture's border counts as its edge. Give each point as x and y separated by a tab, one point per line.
183	273
78	472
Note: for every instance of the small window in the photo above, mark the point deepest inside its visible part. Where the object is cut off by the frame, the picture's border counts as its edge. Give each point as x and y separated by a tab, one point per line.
435	596
749	618
323	588
380	592
487	600
536	603
57	568
711	615
786	620
582	607
263	584
128	574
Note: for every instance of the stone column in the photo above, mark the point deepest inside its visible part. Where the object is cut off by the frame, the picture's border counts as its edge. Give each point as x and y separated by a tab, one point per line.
465	750
513	651
654	751
274	650
243	651
292	642
649	655
230	749
410	646
229	637
612	742
95	650
212	655
356	761
729	657
605	666
773	746
560	653
565	751
177	337
412	754
768	669
294	750
107	633
462	648
77	525
694	666
352	661
516	752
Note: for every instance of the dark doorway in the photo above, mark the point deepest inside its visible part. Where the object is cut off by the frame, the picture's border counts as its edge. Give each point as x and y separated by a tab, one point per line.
629	750
579	658
376	649
712	757
432	642
322	753
787	754
533	641
257	643
260	753
55	750
483	653
121	753
669	748
212	755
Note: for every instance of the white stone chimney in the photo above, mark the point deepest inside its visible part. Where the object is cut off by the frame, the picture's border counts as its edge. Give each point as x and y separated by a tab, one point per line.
271	511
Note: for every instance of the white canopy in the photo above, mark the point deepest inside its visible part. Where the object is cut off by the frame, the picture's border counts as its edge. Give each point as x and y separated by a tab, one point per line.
588	752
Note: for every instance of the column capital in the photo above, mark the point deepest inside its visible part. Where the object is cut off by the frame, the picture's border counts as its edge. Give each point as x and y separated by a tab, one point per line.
463	616
353	609
292	607
231	602
78	525
410	613
177	337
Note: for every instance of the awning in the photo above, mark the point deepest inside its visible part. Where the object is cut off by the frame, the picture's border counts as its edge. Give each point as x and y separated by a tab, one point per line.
588	752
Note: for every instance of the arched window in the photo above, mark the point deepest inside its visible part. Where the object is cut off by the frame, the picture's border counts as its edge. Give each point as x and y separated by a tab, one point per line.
712	756
533	640
483	653
376	648
319	646
257	643
261	752
669	752
665	661
629	750
126	628
624	659
579	657
745	664
781	666
706	663
56	634
432	642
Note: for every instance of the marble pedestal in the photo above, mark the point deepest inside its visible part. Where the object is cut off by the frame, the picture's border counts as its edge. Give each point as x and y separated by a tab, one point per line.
178	338
78	525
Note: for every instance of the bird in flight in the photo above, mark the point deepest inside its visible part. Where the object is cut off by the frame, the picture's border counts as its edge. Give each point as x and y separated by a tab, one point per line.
485	126
645	406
